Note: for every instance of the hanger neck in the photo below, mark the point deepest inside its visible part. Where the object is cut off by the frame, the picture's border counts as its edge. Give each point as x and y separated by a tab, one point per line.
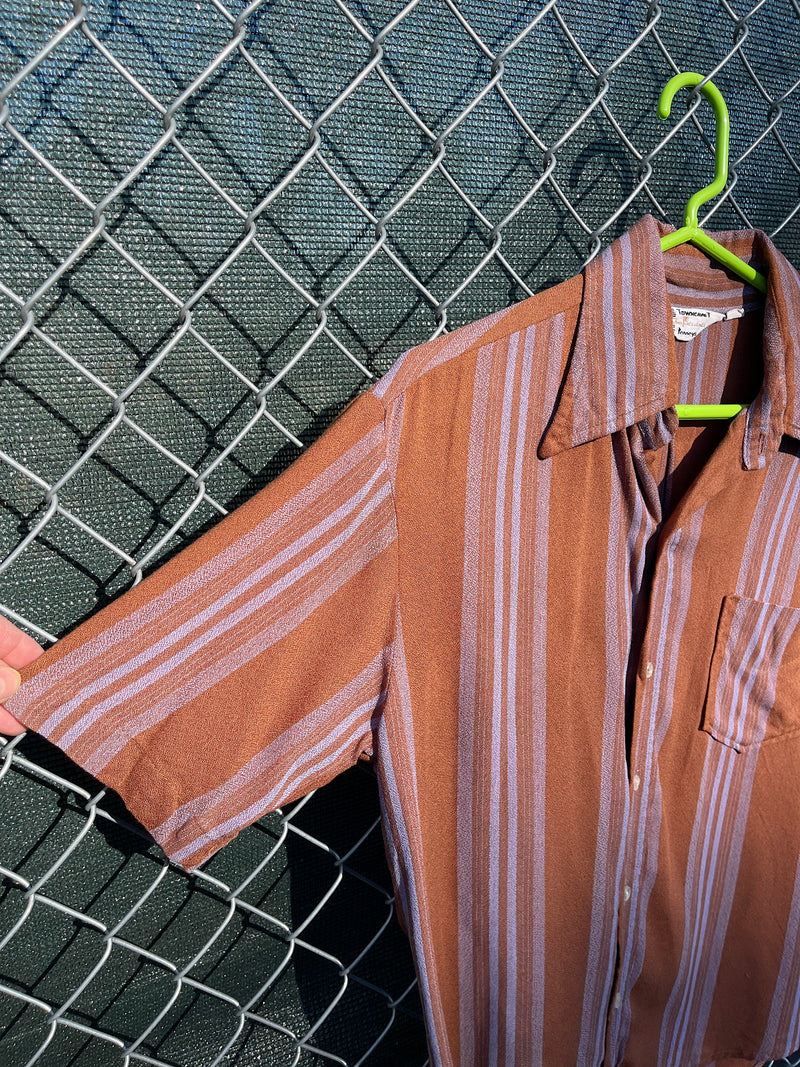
700	238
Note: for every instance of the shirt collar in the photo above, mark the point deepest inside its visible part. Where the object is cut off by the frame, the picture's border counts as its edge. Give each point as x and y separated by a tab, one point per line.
623	366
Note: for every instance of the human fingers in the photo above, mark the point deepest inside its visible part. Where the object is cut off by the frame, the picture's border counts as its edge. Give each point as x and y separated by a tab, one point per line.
17	649
9	683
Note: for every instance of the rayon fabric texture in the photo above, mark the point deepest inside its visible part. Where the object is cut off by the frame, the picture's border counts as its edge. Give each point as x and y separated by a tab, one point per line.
564	629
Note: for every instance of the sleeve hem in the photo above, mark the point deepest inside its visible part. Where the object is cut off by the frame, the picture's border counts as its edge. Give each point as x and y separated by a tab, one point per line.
138	801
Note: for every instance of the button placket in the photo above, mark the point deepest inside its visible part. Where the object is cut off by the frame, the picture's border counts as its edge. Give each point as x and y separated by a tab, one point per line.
682	521
644	713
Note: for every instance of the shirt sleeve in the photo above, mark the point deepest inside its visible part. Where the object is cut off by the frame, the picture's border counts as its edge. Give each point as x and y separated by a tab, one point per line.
252	666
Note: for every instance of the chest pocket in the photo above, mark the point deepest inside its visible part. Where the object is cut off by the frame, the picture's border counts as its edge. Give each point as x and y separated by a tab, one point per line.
754	683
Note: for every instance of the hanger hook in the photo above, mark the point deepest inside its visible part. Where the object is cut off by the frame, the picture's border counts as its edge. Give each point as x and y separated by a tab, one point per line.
714	97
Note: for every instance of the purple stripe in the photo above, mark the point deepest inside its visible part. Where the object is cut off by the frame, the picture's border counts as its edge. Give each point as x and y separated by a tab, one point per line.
730	859
300	574
790	282
395	735
741	295
465	337
220	666
745	669
673	1004
713	810
511	679
209	573
713	819
538	688
700	356
707	951
642	845
633	372
92	689
788	982
783	1024
518	613
580	369
459	341
724	343
364	688
767	516
609	357
352	728
500	707
697	893
552	341
607	867
382	386
398	727
686	373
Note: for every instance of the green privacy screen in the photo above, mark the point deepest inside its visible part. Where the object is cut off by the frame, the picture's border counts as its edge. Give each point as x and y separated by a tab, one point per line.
218	224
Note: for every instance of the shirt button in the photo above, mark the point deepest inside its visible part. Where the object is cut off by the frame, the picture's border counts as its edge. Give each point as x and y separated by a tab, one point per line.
626	892
636	782
617	1000
649	670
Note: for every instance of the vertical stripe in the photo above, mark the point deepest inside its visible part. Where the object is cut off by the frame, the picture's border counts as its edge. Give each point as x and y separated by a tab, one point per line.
519	552
537	697
698	349
502	709
397	781
724	798
519	484
514	495
721	343
606	359
783	1023
468	708
625	560
671	595
511	393
630	352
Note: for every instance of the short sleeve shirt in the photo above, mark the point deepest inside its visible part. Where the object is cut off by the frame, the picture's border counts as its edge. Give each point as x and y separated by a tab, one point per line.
563	626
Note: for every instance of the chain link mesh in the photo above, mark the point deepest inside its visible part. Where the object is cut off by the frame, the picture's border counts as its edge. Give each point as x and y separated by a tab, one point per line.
219	222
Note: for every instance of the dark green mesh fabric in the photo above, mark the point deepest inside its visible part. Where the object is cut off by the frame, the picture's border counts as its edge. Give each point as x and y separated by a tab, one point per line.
217	225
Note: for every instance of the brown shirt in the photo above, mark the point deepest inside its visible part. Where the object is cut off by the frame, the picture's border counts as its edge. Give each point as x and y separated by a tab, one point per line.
563	627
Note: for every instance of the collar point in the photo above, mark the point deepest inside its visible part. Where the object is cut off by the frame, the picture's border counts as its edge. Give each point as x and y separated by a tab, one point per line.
754	463
547	449
553	440
758	448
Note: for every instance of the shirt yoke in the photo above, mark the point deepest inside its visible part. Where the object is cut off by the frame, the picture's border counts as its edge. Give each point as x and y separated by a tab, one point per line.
415	363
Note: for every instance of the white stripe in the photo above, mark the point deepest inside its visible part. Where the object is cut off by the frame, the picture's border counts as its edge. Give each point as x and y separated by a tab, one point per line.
290	741
158	674
499	708
210	572
468	703
307	764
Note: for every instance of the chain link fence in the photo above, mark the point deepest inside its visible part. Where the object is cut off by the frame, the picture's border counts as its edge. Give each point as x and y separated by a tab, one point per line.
218	223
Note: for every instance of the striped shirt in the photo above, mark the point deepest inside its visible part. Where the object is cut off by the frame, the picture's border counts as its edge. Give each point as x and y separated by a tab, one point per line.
564	629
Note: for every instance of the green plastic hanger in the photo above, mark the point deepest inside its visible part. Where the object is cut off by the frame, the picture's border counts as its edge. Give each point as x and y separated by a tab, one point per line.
691	232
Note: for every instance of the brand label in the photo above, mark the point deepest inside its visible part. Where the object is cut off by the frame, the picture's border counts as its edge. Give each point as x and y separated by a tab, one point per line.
689	322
